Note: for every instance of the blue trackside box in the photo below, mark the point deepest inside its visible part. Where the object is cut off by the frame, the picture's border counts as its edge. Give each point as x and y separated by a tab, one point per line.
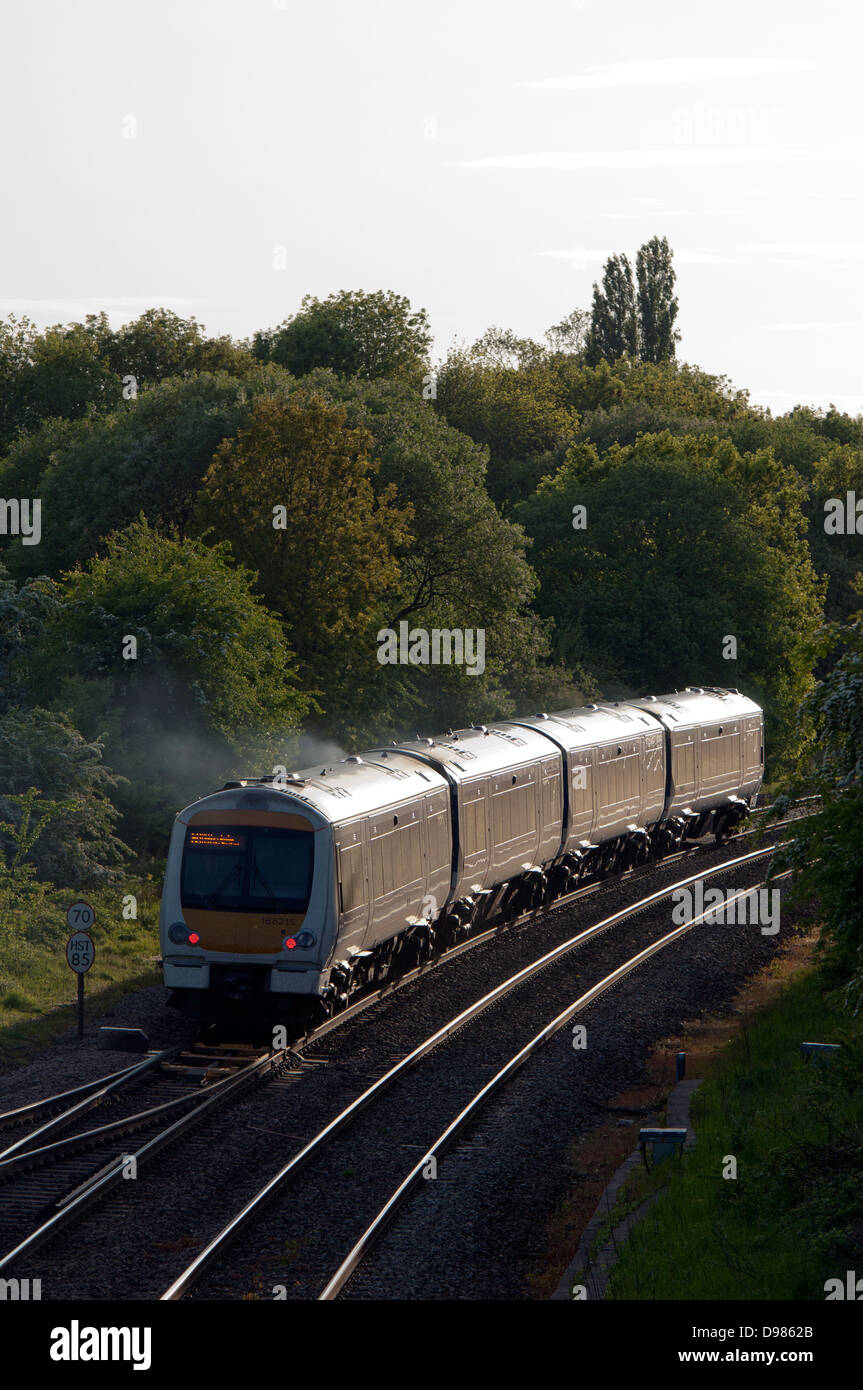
662	1143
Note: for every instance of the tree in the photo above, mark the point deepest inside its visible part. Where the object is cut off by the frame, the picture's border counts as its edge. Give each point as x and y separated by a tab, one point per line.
657	302
461	565
686	543
520	413
827	849
570	335
292	492
42	748
159	344
613	323
353	332
56	373
161	648
149	456
500	347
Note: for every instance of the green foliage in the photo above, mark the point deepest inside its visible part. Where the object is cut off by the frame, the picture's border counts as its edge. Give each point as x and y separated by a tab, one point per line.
23	613
213	678
149	456
76	844
56	373
353	333
518	412
705	515
160	344
34	976
828	845
570	335
325	563
630	325
687	542
790	1219
657	302
78	370
613	322
460	564
18	885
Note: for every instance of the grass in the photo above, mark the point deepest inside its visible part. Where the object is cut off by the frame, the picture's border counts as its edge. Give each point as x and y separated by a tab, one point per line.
37	988
793	1216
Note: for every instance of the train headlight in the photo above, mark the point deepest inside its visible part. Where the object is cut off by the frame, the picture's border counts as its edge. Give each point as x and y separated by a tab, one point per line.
180	934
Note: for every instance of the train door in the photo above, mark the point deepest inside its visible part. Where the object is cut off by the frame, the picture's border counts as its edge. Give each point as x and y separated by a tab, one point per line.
352	869
438	844
583	809
474	832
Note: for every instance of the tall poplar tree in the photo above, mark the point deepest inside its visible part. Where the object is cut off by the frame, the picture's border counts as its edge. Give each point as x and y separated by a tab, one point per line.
657	302
614	324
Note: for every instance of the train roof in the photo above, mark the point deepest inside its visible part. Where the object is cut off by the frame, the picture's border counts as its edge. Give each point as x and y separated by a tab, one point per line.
698	705
590	724
480	750
385	777
335	791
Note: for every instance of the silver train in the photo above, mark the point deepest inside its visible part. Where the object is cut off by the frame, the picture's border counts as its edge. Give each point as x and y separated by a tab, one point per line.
283	895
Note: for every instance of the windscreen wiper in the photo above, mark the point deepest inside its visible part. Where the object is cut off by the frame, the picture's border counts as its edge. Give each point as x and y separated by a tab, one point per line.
211	897
259	875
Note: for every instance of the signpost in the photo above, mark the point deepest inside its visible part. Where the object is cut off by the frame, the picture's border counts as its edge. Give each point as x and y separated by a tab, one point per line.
80	951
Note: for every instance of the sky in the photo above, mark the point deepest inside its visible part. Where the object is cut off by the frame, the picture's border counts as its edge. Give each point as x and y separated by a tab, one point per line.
223	158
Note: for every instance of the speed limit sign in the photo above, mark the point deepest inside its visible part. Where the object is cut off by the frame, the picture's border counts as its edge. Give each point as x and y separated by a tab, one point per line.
80	952
80	917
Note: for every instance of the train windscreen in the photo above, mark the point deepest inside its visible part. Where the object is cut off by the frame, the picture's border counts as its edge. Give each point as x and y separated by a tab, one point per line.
248	868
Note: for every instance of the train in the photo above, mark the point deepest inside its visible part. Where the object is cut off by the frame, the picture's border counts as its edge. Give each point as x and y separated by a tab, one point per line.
284	894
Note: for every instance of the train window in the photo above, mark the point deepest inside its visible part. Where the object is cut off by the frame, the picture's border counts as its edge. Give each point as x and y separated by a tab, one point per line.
252	869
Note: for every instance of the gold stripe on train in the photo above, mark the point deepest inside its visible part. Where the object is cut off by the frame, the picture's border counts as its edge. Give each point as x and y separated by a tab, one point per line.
243	933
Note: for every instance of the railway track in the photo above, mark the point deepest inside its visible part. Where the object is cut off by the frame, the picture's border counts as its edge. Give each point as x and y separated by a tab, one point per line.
51	1181
371	1236
315	1148
42	1118
55	1180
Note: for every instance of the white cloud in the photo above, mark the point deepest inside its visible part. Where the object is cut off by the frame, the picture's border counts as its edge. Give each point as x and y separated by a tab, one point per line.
790	251
67	310
683	158
671	70
815	326
694	255
640	212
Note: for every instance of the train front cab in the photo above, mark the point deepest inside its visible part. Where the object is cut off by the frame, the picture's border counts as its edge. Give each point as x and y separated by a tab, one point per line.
247	907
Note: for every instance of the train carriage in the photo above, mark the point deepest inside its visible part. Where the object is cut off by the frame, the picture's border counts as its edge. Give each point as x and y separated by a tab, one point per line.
283	895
